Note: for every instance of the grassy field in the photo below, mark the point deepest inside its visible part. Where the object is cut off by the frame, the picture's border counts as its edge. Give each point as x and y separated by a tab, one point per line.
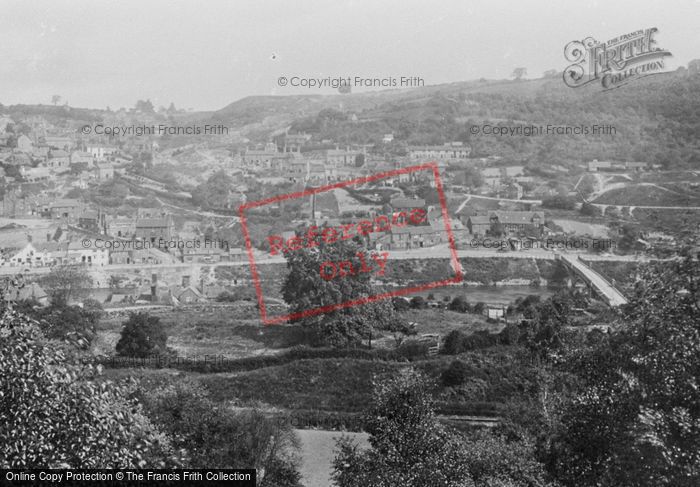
496	376
232	332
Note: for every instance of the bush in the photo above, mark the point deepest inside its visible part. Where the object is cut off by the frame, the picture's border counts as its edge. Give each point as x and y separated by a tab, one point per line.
418	302
456	374
559	202
57	414
411	349
142	336
459	304
457	342
400	304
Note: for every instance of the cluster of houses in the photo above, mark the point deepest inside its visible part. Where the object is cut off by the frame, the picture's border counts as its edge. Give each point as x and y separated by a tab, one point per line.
46	152
628	166
77	234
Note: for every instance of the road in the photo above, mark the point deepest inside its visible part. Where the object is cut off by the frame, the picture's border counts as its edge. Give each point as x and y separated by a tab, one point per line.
612	295
493	198
438	252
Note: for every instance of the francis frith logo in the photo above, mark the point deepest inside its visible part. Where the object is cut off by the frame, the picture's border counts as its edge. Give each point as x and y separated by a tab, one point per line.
616	62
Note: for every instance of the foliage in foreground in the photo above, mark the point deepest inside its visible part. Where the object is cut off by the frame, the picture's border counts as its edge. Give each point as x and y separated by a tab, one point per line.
411	448
215	436
636	419
53	414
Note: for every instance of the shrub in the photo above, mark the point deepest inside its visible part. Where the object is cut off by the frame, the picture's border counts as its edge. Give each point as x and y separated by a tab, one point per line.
418	302
411	349
459	304
456	374
142	336
400	304
56	414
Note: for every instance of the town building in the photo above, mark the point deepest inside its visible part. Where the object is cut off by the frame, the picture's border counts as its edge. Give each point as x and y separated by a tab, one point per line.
455	151
153	229
508	221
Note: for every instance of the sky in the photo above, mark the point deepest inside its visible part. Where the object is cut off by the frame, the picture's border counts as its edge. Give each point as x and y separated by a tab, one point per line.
205	54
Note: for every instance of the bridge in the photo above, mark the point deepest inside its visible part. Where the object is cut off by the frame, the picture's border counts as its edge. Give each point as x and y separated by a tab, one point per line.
602	286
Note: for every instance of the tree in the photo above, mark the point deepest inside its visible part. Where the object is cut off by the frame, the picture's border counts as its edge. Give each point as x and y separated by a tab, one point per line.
519	73
55	415
471	177
74	324
145	106
418	302
559	202
409	447
212	436
142	335
211	193
67	281
305	289
636	420
456	374
56	99
459	304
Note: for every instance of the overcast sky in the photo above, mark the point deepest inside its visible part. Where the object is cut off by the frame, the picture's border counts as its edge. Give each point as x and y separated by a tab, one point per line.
206	54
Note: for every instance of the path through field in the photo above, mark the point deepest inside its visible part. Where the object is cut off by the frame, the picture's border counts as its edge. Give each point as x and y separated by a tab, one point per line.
317	451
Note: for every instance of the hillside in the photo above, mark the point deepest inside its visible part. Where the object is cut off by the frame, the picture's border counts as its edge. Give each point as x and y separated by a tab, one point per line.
656	119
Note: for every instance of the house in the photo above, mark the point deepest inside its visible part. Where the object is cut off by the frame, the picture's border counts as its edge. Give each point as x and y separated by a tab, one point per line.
509	221
494	312
298	171
17	158
409	237
101	152
294	142
58	159
77	253
59	143
30	255
35	174
128	256
261	158
91	220
340	157
80	157
448	152
636	166
388	138
317	173
402	203
153	229
236	255
24	144
513	171
204	255
105	171
190	295
65	209
595	165
41	254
